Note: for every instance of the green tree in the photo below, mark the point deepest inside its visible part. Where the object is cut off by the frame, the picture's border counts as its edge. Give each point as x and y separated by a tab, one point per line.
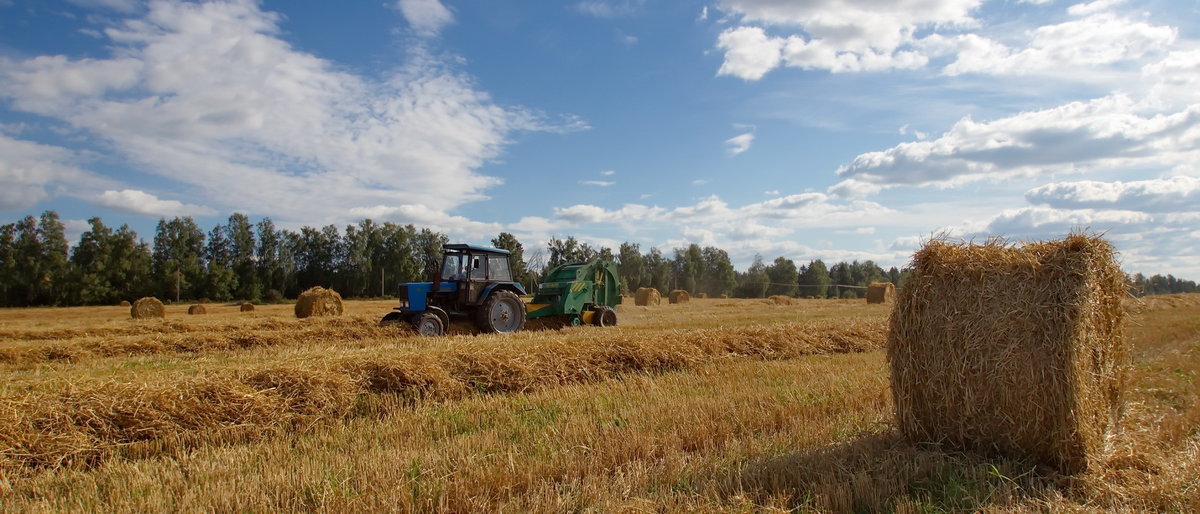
178	259
220	280
753	283
428	245
240	233
632	267
783	277
658	270
814	279
8	276
564	251
717	274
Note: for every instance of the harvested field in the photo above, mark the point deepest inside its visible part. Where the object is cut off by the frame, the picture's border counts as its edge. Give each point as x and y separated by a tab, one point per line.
713	406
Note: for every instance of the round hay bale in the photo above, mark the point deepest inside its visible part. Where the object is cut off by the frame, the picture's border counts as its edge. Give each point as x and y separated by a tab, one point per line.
249	307
679	296
148	307
778	299
647	296
318	301
724	297
881	292
702	295
197	309
124	303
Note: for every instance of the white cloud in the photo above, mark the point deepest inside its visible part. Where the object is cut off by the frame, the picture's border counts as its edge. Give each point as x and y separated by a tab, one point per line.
428	217
699	182
749	53
207	95
609	8
1093	7
116	5
739	143
1176	80
703	14
32	172
426	17
608	173
140	202
1107	132
1174	194
1100	39
771	192
600	183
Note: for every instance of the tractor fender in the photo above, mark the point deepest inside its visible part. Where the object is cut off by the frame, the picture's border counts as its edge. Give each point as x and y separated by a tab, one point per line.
441	314
515	287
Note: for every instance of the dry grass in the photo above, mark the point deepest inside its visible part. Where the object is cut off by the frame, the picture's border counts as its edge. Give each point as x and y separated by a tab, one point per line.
723	433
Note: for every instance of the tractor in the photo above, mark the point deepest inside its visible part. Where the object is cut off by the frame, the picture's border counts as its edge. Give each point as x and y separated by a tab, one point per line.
476	283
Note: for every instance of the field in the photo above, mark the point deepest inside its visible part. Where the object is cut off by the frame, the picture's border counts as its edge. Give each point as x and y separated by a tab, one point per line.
715	405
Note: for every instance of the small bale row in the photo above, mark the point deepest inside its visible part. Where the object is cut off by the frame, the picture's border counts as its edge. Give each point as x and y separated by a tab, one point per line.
647	296
679	296
1017	350
881	292
318	301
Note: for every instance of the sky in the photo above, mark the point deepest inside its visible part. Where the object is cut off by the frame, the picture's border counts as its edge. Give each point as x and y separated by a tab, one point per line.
838	130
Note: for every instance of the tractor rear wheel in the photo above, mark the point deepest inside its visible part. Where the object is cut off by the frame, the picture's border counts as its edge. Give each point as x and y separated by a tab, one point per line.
502	313
605	317
428	324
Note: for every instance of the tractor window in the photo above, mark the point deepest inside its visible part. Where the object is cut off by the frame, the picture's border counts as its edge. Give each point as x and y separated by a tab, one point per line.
498	268
478	272
452	267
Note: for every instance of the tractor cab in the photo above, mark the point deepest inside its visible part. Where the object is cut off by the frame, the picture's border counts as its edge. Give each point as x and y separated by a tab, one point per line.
472	268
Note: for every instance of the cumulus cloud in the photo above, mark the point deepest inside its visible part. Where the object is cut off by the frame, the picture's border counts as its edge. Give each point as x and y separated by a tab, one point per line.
426	17
1099	39
739	143
32	172
1174	194
140	202
839	36
1107	132
599	183
209	96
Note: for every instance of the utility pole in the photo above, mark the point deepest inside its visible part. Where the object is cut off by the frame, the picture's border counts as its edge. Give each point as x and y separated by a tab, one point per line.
381	282
177	284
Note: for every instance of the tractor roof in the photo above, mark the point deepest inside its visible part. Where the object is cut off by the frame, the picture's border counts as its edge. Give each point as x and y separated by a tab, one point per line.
458	247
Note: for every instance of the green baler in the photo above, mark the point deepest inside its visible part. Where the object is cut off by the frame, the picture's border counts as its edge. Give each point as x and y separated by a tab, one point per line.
579	293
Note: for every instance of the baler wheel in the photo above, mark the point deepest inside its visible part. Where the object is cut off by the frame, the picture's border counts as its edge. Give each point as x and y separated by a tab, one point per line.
605	317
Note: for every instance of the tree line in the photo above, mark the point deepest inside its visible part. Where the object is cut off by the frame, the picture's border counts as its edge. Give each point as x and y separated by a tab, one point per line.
241	260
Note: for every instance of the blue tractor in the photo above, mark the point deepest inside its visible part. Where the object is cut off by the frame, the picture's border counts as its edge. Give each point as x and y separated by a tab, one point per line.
474	282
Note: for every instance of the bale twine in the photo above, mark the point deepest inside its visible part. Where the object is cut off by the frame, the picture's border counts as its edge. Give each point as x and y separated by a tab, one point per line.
646	296
124	303
148	307
679	296
701	295
318	301
249	307
197	309
1012	349
881	292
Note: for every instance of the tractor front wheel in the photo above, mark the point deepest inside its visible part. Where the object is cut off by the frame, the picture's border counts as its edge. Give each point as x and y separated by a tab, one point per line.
502	313
429	324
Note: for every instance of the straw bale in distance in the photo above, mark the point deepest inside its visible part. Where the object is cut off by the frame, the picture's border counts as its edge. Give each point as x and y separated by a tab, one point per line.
1012	349
646	296
701	295
779	299
881	292
247	307
197	309
124	303
318	301
148	307
679	296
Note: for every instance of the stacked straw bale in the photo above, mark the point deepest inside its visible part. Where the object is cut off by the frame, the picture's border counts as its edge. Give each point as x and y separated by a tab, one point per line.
679	296
197	309
1012	349
647	296
148	307
248	307
318	301
881	292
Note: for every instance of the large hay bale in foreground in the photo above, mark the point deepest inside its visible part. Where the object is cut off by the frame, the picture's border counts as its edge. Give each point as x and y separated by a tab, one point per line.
1012	349
318	301
148	307
646	296
679	296
197	309
881	292
249	307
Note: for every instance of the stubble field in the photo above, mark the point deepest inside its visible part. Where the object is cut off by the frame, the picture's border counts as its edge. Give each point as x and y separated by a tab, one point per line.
715	405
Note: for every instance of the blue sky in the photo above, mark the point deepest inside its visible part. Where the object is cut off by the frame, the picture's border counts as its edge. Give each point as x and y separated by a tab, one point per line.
846	129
